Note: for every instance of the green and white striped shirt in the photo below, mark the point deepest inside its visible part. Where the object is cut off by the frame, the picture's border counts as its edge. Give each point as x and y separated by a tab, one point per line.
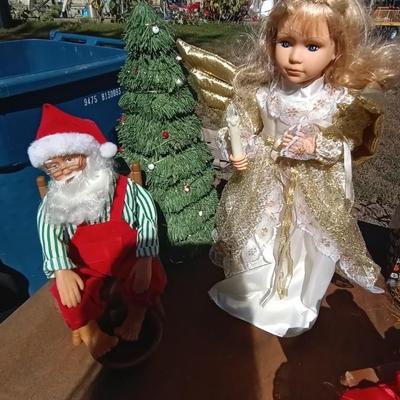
139	212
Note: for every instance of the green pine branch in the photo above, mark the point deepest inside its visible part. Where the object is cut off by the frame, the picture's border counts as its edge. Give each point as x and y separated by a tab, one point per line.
141	35
187	222
155	139
162	75
165	106
203	236
185	193
174	167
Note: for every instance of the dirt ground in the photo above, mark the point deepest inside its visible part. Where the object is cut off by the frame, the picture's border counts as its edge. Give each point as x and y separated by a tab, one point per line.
378	180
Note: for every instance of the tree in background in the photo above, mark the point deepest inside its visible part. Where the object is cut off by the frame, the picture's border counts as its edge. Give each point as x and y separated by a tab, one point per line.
225	10
160	130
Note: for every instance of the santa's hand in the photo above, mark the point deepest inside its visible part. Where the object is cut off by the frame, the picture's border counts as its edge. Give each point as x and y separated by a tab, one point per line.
69	285
240	163
142	274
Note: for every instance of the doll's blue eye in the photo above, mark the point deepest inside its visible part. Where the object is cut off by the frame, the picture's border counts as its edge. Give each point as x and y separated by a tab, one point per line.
284	43
313	47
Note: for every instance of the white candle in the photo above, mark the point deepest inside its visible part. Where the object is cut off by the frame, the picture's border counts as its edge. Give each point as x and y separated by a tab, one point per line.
233	120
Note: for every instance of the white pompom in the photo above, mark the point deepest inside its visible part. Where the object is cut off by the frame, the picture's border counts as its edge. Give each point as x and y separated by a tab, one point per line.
108	150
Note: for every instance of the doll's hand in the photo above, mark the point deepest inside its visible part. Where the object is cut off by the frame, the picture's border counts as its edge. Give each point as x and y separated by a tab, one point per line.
142	274
287	139
306	142
303	145
69	285
239	163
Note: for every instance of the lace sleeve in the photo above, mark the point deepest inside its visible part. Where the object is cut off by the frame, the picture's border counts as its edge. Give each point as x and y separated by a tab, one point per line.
329	151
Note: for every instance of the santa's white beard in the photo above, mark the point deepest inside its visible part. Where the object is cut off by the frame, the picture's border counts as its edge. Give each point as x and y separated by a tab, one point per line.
83	198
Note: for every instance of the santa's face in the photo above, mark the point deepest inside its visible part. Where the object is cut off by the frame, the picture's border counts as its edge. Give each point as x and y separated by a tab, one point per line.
63	168
81	188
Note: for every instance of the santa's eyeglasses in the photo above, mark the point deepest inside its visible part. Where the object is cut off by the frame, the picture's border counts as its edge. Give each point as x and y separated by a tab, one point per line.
61	165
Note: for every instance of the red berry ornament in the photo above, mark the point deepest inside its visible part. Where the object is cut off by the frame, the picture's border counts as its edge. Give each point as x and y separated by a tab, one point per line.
165	134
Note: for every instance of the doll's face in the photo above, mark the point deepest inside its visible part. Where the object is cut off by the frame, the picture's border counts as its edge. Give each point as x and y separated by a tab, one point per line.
63	168
303	56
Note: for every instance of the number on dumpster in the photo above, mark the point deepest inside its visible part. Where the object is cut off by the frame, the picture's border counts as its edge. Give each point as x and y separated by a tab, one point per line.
109	94
90	100
102	96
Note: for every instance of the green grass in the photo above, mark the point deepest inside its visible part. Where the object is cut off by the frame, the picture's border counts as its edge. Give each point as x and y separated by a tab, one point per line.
213	35
218	37
34	29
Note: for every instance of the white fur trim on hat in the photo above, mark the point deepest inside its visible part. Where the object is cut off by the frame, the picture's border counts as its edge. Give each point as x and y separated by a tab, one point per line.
108	150
61	144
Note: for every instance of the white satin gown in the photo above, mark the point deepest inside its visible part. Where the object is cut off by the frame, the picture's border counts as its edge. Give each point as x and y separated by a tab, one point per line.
249	295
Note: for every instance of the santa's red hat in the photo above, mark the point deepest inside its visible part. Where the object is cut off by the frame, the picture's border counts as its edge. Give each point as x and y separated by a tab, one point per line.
61	134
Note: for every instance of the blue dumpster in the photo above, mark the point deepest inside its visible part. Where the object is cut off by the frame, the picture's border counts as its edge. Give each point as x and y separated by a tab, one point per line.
78	74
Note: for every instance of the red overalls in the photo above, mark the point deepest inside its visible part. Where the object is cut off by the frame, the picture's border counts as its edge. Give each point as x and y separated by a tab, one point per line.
103	250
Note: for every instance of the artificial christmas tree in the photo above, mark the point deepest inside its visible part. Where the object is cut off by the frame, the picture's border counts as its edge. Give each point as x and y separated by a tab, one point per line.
160	130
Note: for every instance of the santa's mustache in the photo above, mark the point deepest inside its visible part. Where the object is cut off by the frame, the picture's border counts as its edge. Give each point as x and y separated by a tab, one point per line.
68	178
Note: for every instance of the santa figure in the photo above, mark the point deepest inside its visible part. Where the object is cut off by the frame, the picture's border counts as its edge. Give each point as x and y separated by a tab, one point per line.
93	224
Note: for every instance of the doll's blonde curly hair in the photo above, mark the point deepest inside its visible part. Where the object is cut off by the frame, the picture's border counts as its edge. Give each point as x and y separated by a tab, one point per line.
361	59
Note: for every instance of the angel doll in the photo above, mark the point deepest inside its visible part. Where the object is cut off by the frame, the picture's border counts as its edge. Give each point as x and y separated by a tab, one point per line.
307	100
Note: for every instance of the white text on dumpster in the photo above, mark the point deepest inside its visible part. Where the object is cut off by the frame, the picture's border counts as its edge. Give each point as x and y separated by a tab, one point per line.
102	96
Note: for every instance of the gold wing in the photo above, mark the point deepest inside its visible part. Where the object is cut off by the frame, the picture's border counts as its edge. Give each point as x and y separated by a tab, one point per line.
372	101
361	121
212	74
213	77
